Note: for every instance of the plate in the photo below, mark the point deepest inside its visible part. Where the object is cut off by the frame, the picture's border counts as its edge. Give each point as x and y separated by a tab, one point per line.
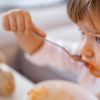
61	90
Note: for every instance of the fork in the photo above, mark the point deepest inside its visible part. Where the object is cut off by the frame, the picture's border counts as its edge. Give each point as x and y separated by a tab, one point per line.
75	57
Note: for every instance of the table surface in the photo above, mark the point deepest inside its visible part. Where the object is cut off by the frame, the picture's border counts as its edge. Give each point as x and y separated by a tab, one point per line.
23	85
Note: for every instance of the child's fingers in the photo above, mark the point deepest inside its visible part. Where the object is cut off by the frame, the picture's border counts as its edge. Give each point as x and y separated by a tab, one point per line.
38	31
20	21
12	22
5	22
28	23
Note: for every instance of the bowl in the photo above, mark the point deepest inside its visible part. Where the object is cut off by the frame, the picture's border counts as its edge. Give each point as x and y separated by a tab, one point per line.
59	90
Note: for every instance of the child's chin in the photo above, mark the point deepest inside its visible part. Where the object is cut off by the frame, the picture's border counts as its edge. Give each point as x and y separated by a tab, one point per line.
95	72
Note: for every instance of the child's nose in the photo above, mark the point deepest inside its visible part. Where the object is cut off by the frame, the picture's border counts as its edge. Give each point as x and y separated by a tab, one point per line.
85	48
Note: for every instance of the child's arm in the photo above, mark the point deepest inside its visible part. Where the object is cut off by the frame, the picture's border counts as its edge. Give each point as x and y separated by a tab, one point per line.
20	23
55	56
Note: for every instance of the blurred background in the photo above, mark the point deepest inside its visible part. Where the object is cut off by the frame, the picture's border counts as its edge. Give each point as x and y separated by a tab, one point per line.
51	17
28	3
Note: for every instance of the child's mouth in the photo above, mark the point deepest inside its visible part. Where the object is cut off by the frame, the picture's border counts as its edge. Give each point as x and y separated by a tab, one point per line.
87	65
94	71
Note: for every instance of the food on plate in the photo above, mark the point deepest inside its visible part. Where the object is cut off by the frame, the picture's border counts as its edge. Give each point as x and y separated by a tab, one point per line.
42	93
58	90
36	93
7	84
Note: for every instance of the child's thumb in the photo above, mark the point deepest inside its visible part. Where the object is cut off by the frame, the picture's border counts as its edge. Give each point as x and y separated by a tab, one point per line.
38	31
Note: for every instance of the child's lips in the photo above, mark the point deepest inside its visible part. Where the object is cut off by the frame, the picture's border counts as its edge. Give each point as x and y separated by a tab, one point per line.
87	65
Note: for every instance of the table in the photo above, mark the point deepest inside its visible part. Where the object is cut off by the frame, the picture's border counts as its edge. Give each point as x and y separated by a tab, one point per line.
23	85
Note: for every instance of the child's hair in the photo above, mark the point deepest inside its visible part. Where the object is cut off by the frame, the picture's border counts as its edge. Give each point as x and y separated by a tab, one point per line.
87	10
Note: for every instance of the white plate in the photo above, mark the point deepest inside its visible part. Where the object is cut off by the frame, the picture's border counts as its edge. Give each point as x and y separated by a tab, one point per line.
72	90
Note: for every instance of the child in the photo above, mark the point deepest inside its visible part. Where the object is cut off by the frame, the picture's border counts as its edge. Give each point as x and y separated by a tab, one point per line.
86	14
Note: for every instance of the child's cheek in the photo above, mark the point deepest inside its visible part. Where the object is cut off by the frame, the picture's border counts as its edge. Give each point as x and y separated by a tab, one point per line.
96	48
81	41
98	62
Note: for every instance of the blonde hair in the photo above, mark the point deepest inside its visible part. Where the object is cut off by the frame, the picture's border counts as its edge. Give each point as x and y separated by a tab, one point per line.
87	10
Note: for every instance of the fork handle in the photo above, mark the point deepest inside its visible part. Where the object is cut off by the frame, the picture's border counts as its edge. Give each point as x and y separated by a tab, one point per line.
52	43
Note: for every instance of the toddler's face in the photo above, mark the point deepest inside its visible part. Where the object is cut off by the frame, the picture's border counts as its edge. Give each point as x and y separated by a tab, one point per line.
90	46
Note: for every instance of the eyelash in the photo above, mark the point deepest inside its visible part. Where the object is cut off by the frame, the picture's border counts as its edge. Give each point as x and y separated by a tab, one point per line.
97	38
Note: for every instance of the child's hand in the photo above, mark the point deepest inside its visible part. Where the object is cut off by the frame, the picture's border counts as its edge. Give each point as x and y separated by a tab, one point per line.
20	22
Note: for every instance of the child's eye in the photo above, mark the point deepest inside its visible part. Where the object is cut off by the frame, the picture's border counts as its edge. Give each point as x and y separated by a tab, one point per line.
98	39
